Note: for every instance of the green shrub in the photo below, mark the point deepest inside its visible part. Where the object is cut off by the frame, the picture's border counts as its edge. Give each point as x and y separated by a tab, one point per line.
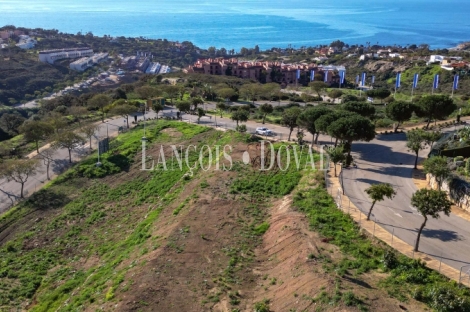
407	276
458	158
262	228
350	299
384	123
262	306
390	260
241	128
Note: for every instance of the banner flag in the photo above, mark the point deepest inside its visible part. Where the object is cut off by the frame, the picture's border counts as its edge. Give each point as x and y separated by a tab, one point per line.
456	82
342	75
398	82
415	81
435	84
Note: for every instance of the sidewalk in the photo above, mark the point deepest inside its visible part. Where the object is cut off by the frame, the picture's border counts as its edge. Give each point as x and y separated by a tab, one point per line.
374	229
421	124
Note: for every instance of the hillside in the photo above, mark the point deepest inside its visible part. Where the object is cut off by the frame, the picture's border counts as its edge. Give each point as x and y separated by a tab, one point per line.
117	238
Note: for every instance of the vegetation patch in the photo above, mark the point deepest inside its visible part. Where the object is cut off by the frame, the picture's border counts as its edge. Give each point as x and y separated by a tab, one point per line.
407	277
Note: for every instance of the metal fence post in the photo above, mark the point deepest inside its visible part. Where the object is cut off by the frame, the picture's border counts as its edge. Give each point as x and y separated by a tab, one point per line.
460	275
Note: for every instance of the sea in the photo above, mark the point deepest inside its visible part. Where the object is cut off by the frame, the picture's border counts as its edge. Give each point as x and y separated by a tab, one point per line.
243	23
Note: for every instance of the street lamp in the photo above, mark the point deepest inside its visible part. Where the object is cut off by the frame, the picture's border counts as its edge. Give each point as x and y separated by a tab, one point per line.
341	173
144	138
98	164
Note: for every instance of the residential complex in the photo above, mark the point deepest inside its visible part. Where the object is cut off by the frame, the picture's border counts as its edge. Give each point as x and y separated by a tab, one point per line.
87	62
142	62
26	42
50	56
263	71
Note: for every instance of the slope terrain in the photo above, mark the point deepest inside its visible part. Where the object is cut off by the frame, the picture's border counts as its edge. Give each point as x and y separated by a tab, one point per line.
118	238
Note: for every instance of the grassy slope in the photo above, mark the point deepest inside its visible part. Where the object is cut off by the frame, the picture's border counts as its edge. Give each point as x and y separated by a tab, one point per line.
78	242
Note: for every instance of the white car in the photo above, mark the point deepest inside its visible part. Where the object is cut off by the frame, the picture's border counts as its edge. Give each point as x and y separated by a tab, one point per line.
264	131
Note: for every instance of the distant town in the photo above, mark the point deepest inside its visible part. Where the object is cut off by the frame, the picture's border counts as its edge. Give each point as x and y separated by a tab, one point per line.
85	57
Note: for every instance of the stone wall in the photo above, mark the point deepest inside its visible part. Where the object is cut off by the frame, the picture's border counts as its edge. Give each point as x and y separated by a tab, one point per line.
460	194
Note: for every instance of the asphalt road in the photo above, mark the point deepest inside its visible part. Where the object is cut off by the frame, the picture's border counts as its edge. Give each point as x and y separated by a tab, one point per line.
10	191
387	159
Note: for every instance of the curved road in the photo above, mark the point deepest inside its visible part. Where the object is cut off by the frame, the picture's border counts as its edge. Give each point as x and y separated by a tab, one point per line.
387	159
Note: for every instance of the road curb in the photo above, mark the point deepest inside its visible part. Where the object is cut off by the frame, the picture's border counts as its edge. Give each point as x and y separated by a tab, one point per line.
376	231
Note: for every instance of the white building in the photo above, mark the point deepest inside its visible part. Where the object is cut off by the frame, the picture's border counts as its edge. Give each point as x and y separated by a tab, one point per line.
321	59
153	68
436	59
87	62
81	64
99	57
164	69
50	56
395	55
27	43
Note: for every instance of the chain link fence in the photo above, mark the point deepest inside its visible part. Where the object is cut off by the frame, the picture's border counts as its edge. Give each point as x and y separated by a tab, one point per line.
386	232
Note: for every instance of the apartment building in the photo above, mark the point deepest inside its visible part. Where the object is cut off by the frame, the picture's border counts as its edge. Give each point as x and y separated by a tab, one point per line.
50	56
261	71
86	62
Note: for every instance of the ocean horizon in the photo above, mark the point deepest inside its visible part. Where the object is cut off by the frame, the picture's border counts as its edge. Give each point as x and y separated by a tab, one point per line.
441	24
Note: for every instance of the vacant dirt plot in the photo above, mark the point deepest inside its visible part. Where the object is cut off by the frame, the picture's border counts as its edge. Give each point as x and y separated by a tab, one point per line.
291	272
168	241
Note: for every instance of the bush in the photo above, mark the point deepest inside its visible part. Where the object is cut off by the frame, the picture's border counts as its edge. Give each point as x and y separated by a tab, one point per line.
262	306
241	128
458	158
384	123
262	228
390	260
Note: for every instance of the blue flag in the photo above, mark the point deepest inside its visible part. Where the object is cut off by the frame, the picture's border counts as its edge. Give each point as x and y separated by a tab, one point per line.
364	79
415	81
456	82
312	75
435	84
398	82
342	75
357	79
326	76
298	74
373	79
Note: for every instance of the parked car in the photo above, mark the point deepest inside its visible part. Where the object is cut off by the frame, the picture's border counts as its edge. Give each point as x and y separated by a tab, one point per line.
264	131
